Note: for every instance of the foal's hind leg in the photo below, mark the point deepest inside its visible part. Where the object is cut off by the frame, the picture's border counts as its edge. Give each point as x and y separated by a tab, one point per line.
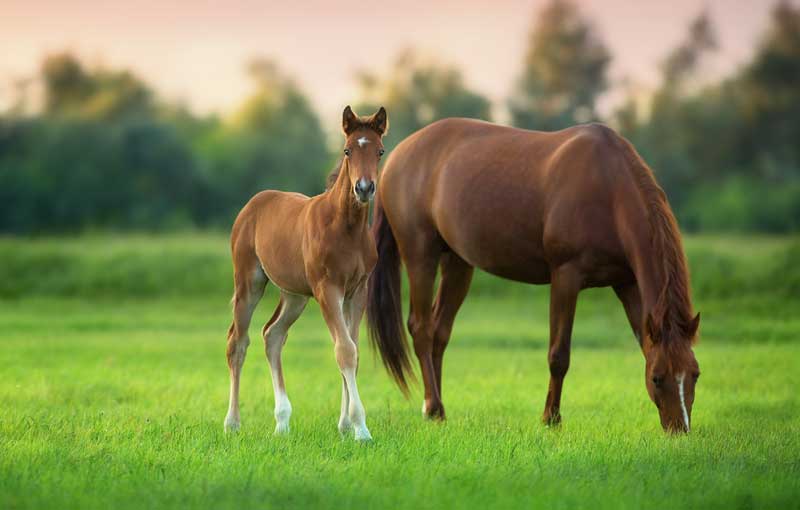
249	287
275	333
566	283
453	288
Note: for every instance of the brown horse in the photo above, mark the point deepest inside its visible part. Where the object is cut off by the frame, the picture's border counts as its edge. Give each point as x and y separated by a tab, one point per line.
575	208
318	247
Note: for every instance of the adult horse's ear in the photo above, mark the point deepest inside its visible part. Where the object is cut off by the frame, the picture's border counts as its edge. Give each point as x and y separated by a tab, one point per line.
652	328
349	120
694	326
380	121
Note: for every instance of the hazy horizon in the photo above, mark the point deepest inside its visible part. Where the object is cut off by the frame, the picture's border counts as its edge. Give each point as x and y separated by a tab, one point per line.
196	52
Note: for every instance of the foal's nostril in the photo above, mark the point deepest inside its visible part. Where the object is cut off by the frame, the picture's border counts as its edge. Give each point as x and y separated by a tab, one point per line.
364	187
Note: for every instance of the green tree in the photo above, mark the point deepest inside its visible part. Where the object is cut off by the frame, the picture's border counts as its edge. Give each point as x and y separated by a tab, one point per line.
274	140
418	92
564	71
103	94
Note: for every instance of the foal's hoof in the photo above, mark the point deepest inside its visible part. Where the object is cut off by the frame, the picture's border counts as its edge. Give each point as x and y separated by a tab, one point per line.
345	427
362	434
281	429
231	425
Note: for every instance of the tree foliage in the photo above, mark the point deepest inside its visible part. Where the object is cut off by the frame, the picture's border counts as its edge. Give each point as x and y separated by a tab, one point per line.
564	71
417	92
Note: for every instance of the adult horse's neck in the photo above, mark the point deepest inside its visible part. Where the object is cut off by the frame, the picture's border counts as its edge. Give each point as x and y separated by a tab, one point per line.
660	264
351	213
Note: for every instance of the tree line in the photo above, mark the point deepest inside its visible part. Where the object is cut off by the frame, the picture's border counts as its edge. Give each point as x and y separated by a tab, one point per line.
105	152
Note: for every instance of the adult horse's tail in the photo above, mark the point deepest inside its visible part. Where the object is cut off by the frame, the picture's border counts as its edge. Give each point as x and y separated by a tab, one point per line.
384	306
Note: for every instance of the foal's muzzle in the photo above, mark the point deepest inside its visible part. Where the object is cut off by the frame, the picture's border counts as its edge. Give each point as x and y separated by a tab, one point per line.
364	190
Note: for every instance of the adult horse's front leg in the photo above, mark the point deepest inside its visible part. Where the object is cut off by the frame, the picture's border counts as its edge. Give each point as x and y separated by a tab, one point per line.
565	285
331	300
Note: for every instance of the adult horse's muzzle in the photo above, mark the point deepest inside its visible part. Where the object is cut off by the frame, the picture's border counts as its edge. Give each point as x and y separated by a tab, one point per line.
364	190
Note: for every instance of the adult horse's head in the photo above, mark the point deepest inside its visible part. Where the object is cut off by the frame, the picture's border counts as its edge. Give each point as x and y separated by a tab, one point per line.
363	148
671	370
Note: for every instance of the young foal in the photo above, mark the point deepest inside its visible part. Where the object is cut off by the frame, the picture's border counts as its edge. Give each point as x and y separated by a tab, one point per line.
319	247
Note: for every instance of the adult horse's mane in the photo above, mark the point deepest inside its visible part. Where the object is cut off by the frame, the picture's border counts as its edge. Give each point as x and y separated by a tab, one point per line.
673	320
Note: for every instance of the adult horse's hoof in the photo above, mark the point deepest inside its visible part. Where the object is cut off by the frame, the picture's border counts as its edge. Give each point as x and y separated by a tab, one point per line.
551	419
281	429
434	412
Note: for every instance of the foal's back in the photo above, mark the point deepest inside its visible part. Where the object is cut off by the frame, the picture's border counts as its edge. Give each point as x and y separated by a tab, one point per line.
268	236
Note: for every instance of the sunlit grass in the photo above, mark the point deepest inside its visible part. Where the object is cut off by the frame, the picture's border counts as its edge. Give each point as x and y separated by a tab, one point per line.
119	402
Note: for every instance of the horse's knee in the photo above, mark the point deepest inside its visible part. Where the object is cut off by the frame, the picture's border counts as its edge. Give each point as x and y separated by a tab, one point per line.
559	363
441	338
346	353
237	348
421	334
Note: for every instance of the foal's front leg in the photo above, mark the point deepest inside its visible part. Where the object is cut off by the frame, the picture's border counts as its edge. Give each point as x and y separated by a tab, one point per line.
331	302
353	309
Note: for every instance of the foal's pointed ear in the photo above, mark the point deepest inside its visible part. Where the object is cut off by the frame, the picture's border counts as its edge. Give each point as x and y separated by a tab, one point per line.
349	120
380	121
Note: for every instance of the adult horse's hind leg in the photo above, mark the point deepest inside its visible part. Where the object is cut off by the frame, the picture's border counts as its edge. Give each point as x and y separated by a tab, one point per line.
275	332
565	285
453	288
421	275
249	287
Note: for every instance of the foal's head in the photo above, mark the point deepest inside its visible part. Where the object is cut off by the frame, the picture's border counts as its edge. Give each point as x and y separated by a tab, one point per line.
363	148
671	372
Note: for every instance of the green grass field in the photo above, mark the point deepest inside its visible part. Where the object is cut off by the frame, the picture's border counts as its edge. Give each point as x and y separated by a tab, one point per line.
113	391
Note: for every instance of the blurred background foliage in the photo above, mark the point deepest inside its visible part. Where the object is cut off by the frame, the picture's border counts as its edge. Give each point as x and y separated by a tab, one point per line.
104	152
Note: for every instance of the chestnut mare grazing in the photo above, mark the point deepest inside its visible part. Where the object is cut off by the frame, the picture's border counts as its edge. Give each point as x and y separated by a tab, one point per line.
575	208
320	247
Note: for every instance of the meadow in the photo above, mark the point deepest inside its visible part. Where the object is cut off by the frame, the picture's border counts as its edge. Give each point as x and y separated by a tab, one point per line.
114	385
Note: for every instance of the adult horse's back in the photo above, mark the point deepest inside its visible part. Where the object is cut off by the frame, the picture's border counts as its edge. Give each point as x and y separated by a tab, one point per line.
575	208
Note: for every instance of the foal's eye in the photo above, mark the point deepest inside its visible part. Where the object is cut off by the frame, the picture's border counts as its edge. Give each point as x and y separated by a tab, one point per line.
380	152
696	376
658	380
347	152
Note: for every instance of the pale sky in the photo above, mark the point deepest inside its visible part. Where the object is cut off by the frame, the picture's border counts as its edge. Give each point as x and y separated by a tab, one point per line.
195	50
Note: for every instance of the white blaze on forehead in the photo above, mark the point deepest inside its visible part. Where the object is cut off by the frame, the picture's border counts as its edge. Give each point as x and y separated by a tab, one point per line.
362	141
679	379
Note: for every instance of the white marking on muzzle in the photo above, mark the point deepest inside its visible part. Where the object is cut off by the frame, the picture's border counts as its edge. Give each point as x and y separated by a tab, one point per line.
679	378
362	141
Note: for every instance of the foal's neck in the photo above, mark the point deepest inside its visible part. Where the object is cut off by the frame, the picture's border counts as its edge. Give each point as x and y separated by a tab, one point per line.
352	213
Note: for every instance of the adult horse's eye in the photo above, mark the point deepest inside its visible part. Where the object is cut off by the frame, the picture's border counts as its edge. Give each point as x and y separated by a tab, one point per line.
380	152
696	376
347	152
658	380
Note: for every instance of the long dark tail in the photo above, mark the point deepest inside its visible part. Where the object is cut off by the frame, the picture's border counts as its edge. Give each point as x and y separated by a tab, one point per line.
384	308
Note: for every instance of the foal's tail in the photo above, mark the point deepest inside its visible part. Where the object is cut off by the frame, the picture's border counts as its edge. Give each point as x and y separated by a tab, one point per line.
384	308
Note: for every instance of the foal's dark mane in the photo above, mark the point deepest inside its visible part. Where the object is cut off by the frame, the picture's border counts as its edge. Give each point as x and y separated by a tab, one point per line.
672	315
331	179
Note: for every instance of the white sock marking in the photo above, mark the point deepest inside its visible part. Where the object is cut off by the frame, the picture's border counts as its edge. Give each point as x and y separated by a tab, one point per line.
362	141
679	378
